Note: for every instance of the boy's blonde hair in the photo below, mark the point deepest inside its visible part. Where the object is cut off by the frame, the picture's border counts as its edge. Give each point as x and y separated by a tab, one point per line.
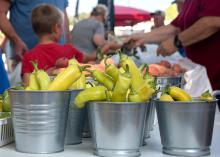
44	17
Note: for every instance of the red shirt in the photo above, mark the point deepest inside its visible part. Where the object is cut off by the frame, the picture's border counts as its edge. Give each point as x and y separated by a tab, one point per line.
47	55
206	52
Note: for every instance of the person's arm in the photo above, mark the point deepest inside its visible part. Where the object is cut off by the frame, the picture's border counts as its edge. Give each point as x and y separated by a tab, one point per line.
105	45
110	46
8	29
160	34
200	30
157	35
66	28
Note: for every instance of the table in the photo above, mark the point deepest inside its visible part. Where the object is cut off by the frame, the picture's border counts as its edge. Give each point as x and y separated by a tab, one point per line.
152	149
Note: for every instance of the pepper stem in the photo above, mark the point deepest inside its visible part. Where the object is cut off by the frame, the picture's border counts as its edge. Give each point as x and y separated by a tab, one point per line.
126	68
84	67
90	71
90	84
35	65
166	89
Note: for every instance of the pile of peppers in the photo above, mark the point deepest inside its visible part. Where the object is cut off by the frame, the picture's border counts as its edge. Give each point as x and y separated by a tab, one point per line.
71	77
126	83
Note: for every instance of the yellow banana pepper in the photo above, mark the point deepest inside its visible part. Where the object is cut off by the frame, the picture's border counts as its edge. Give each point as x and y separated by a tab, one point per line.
111	70
121	87
80	83
33	83
66	78
42	78
97	93
136	76
73	61
134	98
146	92
103	78
179	94
166	97
1	105
206	96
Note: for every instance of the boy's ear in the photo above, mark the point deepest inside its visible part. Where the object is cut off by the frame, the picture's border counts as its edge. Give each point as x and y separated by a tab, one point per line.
56	28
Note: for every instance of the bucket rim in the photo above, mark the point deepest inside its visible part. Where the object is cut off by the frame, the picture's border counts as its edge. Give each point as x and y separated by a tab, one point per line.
194	101
116	103
169	77
38	91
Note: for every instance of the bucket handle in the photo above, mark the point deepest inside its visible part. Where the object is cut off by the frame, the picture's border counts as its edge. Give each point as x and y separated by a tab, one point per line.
216	92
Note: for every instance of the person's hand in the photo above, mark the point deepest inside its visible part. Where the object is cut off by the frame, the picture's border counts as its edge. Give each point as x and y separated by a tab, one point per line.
167	48
20	48
61	62
135	40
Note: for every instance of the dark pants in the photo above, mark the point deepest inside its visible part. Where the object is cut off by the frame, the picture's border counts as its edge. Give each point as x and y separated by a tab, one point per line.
218	97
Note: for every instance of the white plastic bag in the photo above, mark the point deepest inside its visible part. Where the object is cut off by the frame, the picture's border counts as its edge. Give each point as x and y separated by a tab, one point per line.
196	78
15	76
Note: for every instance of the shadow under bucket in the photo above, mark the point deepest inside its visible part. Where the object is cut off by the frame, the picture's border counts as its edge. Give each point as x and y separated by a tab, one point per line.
117	128
186	128
39	120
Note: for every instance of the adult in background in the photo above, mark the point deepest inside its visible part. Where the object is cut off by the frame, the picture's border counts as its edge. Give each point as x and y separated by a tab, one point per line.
18	27
196	29
89	34
158	18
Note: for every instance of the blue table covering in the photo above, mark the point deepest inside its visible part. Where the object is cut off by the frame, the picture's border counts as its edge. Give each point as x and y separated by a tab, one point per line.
4	82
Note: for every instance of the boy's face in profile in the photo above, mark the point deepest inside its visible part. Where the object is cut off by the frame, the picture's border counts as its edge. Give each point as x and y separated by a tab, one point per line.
58	31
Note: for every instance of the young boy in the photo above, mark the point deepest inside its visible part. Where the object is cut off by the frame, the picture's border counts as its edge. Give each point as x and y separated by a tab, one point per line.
47	22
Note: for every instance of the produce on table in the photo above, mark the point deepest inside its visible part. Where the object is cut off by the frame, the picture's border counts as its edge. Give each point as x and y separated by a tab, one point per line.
80	83
175	93
1	104
121	87
42	78
165	64
103	78
179	94
97	93
6	103
166	97
130	84
5	106
5	115
111	70
33	83
66	78
136	76
164	68
206	96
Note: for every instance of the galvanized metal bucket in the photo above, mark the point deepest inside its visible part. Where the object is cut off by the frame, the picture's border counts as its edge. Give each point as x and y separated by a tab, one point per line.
39	120
186	127
161	82
86	128
149	121
75	122
117	128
